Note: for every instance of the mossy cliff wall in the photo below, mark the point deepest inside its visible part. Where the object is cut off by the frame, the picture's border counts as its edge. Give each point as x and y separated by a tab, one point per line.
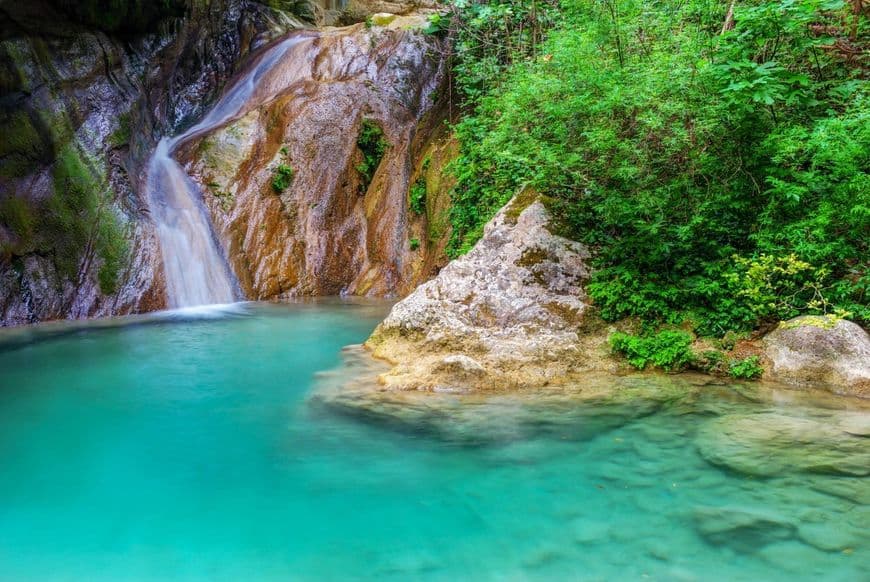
86	88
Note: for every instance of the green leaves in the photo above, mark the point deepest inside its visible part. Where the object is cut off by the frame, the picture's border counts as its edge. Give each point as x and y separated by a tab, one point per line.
691	149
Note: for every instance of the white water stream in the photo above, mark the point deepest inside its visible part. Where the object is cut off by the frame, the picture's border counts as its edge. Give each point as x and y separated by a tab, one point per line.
195	267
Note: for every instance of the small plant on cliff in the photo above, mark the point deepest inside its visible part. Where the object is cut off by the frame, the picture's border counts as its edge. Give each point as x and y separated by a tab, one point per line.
282	177
418	196
668	349
746	369
415	244
417	193
373	145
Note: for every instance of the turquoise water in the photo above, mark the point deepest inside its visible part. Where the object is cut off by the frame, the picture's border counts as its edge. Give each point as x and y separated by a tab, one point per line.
191	450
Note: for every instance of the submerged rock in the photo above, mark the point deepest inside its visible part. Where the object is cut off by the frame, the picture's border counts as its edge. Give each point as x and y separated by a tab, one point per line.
745	530
821	351
512	313
770	443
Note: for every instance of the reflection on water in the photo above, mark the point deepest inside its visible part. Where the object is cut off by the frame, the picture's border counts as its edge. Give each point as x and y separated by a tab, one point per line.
216	450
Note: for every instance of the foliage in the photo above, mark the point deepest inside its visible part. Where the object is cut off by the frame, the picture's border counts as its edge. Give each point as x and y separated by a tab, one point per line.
415	244
417	192
373	145
746	369
668	349
720	171
282	177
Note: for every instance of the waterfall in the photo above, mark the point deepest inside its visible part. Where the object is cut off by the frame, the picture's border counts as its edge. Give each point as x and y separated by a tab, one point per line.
195	268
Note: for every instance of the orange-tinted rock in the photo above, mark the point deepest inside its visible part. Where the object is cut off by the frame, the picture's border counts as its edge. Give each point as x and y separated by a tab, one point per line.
323	235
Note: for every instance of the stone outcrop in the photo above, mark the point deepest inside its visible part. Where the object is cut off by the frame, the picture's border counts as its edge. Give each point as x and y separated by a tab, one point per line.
325	227
87	88
820	351
510	314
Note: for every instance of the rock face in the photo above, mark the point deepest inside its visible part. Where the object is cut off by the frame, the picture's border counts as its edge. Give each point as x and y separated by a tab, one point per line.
770	444
87	87
510	314
284	185
814	350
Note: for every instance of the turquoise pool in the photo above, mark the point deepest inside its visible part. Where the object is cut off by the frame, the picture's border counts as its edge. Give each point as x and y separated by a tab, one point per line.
189	448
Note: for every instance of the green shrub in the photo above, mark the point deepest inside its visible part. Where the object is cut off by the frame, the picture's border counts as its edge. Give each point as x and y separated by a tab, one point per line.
669	350
415	244
282	177
373	145
723	179
417	196
746	369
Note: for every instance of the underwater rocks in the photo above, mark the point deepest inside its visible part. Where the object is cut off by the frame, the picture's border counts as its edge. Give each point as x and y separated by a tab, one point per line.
770	443
821	351
510	314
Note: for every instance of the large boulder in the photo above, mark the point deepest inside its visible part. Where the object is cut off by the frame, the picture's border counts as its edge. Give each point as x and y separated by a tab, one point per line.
820	351
510	314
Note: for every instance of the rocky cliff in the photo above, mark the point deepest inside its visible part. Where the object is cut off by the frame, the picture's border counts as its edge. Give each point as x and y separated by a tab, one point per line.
309	189
87	90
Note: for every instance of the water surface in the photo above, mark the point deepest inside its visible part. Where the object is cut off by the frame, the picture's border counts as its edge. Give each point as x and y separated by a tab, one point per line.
190	449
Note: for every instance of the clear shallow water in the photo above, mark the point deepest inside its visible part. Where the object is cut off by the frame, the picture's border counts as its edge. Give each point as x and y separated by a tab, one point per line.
191	450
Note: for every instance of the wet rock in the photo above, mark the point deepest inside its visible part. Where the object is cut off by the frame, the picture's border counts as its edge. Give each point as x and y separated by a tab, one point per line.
770	444
744	530
328	229
515	304
821	350
828	537
84	102
851	489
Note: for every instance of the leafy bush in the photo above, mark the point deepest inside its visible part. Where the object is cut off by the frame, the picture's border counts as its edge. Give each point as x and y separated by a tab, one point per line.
669	350
746	369
282	177
720	173
373	145
415	244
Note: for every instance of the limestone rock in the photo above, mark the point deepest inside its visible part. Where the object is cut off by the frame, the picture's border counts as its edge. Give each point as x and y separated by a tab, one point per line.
745	530
825	351
770	443
329	231
515	304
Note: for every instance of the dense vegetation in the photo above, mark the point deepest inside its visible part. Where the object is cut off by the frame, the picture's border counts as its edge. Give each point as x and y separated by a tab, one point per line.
715	156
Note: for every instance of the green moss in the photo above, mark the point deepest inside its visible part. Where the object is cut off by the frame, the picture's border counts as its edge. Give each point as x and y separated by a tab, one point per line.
18	217
78	222
22	147
820	321
121	135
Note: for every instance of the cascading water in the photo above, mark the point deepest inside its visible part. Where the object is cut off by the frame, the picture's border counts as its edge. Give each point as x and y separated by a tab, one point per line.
196	271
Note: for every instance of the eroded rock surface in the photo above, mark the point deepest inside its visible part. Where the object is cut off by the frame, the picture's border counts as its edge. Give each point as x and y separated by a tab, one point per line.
323	229
87	88
510	314
821	351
